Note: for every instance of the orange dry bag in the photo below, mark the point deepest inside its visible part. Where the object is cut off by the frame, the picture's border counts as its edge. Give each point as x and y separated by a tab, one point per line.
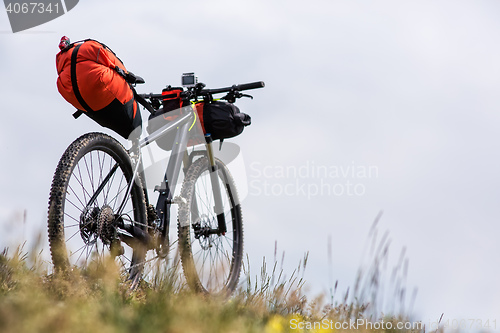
93	79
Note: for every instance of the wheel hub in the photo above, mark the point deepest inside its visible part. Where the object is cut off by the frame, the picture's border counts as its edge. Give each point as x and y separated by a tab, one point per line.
202	232
88	224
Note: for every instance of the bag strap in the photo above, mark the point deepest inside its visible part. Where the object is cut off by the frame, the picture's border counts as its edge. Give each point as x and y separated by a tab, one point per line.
142	101
74	82
77	114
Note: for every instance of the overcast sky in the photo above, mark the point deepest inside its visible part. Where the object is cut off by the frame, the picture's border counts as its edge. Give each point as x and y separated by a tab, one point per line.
396	100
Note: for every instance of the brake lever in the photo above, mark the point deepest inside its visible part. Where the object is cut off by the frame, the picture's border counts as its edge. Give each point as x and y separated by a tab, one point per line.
234	95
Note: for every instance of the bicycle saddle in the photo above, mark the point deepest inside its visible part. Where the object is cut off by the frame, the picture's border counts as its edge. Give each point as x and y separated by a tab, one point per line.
132	78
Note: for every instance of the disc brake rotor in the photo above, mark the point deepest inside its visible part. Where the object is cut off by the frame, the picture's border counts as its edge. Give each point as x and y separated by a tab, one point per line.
201	228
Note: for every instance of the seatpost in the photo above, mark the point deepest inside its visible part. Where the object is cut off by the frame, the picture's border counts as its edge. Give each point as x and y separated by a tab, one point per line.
135	157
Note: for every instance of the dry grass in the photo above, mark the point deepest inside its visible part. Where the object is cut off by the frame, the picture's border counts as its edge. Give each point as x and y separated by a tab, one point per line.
96	300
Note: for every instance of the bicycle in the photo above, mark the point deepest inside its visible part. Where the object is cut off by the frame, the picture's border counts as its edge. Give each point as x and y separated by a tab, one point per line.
99	204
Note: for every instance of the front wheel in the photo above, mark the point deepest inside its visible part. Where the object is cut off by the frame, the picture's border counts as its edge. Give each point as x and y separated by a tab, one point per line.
211	261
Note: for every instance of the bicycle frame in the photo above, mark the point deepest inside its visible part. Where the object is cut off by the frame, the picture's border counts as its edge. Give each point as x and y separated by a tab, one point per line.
183	125
171	176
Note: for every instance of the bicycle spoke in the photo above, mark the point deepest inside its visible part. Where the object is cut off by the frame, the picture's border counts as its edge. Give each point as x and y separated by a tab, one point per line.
88	173
78	208
119	192
76	195
80	181
76	233
112	178
71	217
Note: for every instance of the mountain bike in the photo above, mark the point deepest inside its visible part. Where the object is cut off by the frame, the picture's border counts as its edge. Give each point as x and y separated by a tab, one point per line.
99	205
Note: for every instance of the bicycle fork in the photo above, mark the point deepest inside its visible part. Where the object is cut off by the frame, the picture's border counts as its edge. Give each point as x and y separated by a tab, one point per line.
216	189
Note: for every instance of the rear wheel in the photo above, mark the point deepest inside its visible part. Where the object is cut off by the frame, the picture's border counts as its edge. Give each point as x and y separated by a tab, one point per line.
89	185
211	261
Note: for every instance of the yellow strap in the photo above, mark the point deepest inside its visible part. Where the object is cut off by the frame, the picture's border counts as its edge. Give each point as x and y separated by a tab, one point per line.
193	105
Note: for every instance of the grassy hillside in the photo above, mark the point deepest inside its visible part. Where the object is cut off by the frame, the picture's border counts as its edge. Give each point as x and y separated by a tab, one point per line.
96	300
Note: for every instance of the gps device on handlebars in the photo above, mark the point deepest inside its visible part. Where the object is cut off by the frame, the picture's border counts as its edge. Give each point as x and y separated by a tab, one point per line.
189	80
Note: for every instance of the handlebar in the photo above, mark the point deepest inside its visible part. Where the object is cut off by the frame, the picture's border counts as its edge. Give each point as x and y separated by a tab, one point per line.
151	96
202	92
239	87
